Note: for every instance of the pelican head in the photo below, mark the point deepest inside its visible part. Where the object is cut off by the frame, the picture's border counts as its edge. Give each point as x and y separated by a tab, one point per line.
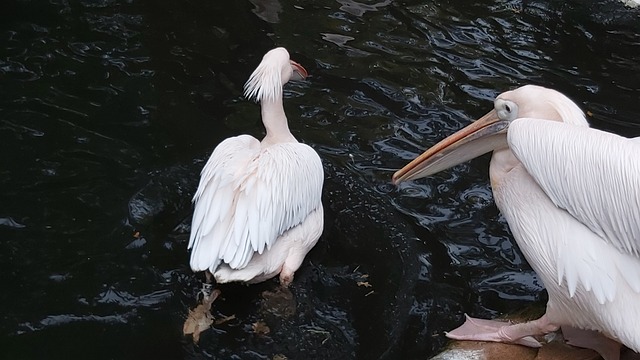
275	70
489	133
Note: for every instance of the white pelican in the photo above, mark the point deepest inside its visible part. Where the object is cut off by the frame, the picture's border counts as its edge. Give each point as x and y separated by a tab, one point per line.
258	208
571	197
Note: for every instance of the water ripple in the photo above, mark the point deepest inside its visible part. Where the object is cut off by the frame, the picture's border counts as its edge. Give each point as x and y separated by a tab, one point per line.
126	299
109	108
63	319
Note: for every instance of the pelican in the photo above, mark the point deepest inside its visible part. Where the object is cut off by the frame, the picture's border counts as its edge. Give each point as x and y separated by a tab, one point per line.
571	197
258	209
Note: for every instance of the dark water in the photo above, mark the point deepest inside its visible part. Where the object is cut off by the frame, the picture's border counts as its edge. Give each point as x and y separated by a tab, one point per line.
109	108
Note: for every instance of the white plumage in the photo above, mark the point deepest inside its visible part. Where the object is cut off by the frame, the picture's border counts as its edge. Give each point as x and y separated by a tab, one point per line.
258	208
573	206
571	197
604	168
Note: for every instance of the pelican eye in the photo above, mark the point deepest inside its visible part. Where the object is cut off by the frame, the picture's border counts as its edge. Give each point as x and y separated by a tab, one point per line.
506	110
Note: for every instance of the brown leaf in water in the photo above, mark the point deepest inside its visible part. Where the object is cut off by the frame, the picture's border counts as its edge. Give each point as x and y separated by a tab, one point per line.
225	319
200	318
364	283
260	328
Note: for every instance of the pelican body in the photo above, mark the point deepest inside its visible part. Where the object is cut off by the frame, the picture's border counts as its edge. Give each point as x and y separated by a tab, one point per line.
571	197
258	208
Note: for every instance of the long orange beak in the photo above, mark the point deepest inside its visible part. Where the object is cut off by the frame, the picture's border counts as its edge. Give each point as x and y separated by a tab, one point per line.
299	70
481	136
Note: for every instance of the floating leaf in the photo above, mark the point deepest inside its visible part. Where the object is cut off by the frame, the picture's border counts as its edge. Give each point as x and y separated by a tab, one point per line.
200	318
260	328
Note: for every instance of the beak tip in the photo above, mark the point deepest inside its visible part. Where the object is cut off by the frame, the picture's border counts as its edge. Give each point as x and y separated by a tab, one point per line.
395	179
300	69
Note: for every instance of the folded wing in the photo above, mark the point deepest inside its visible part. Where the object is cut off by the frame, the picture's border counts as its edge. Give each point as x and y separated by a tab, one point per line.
592	174
595	177
248	197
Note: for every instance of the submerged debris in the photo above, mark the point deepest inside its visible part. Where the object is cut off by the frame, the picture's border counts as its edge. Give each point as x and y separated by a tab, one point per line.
280	302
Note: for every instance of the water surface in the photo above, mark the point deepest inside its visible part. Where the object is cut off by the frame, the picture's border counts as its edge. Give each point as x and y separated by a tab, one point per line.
108	110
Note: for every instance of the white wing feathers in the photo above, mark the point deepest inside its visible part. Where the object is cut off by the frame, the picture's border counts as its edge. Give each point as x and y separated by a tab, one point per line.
592	174
248	197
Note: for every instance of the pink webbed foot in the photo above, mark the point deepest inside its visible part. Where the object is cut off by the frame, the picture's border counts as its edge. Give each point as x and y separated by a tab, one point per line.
501	331
607	348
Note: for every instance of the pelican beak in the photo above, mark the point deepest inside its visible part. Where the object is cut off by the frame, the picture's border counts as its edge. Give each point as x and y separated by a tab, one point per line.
481	136
299	73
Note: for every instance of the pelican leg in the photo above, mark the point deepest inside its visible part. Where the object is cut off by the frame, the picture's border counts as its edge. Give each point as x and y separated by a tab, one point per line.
291	264
502	331
607	348
286	277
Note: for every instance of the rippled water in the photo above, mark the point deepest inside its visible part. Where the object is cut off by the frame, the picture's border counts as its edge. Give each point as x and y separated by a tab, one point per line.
109	108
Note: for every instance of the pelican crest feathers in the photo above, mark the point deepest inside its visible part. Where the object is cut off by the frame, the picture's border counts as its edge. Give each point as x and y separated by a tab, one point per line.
265	83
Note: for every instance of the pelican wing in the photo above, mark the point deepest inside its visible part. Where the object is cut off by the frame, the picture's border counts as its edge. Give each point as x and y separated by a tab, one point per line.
248	197
592	174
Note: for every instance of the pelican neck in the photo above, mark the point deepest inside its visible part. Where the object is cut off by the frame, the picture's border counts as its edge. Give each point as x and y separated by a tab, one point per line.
275	122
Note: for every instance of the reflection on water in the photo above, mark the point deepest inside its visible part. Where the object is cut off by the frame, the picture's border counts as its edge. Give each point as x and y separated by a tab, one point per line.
109	108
